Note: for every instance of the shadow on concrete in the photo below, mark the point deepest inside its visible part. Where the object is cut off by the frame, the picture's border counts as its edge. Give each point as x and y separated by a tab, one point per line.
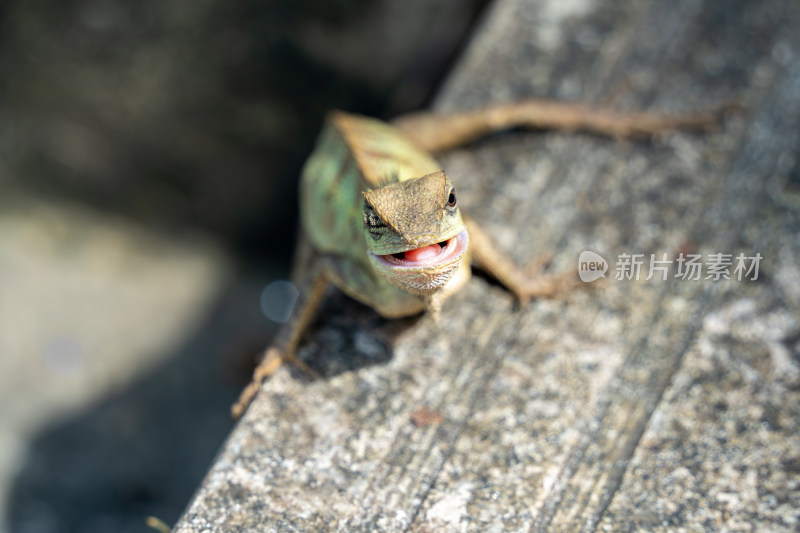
143	450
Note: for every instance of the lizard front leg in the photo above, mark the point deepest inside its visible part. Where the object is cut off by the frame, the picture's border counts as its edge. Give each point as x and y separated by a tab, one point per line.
437	132
525	283
284	347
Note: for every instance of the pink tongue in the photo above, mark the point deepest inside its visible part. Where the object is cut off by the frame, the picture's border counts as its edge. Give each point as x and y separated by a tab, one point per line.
424	253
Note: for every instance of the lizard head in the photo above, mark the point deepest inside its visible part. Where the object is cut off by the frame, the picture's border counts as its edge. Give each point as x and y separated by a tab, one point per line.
414	232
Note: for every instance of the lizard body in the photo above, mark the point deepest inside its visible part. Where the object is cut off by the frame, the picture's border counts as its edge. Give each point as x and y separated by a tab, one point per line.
366	174
380	219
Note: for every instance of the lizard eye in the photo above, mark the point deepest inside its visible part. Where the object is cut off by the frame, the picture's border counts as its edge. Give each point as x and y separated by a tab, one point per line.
373	222
451	198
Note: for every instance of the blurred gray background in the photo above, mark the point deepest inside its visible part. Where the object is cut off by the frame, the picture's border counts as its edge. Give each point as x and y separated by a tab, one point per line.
149	154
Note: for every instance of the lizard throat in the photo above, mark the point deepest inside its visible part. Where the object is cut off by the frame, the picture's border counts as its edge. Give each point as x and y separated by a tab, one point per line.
425	269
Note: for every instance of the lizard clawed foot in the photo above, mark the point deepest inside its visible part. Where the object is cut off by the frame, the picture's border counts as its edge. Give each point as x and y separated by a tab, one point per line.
533	284
545	286
272	361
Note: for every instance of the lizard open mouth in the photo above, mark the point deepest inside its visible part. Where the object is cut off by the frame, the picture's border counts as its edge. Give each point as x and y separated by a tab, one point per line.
425	269
431	255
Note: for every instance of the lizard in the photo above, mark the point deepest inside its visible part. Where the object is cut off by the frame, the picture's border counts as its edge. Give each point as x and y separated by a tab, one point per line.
380	219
